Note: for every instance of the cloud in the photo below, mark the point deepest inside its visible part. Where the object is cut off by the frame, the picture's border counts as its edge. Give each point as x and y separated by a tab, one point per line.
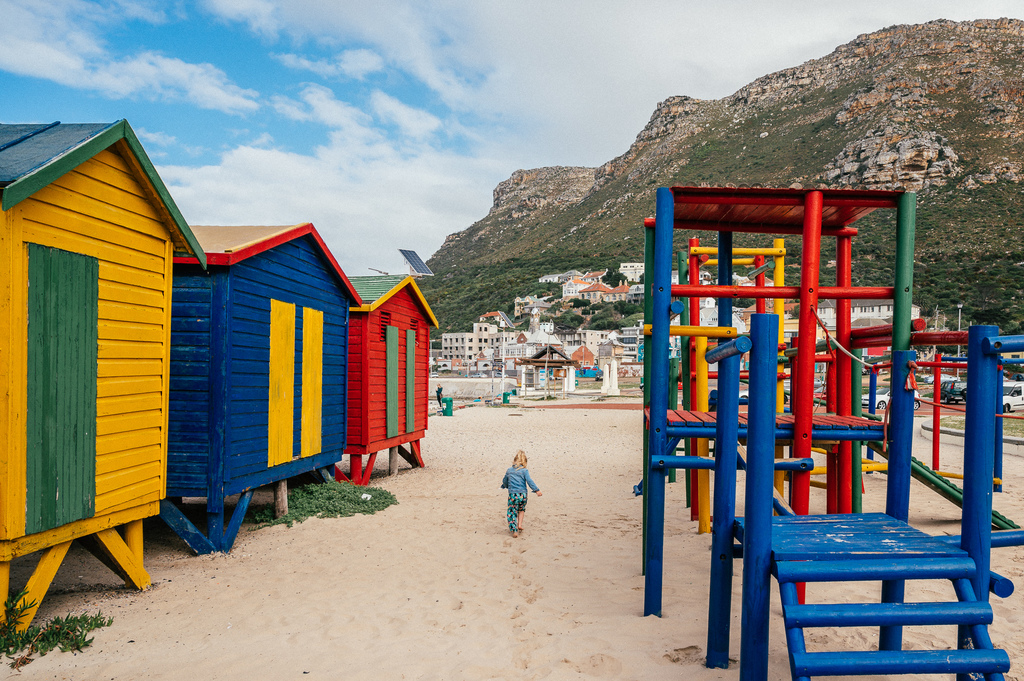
351	63
412	122
260	15
366	200
58	41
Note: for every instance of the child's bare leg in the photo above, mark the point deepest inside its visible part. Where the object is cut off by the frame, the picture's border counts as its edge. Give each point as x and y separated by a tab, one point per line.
519	520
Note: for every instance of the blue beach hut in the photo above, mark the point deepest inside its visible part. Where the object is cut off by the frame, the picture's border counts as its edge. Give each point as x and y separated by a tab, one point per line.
259	371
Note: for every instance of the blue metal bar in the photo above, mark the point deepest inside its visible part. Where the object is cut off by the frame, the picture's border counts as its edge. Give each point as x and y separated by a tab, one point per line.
789	464
897	498
872	391
874	569
723	511
878	614
669	462
737	346
657	427
946	358
1002	344
794	635
882	662
784	433
979	438
758	499
979	460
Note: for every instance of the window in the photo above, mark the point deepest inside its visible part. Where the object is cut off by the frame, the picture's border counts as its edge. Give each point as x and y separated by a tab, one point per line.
385	322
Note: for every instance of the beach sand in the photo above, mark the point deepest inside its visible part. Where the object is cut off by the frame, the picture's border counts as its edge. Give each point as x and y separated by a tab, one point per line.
436	588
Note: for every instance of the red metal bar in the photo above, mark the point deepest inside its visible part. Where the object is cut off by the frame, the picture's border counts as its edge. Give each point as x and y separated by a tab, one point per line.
803	384
786	292
762	228
917	339
936	398
693	271
885	329
843	374
759	304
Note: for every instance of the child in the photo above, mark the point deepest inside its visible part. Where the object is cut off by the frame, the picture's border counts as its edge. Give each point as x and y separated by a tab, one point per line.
516	480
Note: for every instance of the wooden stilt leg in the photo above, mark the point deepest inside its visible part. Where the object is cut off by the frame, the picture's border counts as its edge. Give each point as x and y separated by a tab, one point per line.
393	461
112	551
356	468
40	580
369	469
281	499
133	538
5	586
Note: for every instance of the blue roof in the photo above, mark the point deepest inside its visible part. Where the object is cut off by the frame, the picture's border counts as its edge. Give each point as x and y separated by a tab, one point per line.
26	148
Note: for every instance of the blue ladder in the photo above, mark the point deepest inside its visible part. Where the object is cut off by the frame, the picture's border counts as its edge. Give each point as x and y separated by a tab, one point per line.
876	547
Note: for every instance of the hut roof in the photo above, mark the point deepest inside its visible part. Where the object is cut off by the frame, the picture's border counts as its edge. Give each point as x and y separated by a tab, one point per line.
376	290
227	245
33	156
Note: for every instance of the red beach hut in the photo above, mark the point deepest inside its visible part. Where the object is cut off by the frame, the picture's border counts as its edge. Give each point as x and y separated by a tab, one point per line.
389	359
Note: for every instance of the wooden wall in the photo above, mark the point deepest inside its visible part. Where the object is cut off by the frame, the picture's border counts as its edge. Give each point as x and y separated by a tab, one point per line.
101	211
368	391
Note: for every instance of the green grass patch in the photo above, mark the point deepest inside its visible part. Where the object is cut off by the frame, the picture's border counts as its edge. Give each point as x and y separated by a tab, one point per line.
326	500
67	633
1011	427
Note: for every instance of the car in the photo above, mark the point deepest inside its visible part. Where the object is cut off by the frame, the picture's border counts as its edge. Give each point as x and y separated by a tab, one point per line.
433	374
953	391
1013	397
882	398
477	375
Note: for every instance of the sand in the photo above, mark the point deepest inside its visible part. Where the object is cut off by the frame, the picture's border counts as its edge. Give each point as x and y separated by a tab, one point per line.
436	588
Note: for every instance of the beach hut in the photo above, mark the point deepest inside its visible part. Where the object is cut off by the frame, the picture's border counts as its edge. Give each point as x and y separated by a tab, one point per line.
389	360
259	369
88	233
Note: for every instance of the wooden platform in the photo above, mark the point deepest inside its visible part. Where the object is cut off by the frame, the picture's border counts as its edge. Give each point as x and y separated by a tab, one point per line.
825	427
854	537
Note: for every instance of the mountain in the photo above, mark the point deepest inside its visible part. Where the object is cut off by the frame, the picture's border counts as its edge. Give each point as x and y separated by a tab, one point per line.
937	108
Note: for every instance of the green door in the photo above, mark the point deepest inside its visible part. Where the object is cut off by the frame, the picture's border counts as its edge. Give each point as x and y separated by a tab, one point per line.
63	293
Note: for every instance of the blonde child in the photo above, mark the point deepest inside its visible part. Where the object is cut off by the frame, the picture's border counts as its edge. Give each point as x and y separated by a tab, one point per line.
516	480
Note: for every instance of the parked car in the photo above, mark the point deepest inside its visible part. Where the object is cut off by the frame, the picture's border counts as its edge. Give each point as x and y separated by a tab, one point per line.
1013	397
953	391
478	375
882	398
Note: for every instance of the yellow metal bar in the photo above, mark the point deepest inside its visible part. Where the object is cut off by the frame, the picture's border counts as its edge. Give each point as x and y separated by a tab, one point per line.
960	476
779	309
775	250
735	261
699	331
703	476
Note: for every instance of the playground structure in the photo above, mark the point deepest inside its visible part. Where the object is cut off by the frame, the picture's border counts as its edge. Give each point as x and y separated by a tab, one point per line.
839	546
259	368
389	348
88	236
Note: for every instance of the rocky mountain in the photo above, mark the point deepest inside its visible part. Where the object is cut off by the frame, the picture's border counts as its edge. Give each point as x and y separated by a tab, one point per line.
936	108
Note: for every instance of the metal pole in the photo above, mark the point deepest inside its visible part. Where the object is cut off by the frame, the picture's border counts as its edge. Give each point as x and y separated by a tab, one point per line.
979	437
657	423
904	281
843	373
757	533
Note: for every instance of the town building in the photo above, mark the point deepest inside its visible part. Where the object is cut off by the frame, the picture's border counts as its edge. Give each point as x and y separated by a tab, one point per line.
632	271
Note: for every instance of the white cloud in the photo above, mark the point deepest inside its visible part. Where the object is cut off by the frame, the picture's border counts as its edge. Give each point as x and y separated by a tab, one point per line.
58	41
366	200
260	15
155	137
352	63
412	122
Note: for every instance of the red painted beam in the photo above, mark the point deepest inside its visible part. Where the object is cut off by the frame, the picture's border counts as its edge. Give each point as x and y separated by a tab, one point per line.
787	292
761	228
885	329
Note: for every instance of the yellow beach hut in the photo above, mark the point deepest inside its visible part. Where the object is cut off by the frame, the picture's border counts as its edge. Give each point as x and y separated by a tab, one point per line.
88	235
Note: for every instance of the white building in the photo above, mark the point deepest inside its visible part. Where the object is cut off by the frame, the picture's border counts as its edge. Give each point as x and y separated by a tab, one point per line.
467	346
632	271
572	288
588	337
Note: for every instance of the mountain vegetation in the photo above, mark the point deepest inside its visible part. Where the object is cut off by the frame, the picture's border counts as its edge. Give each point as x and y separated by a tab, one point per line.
936	108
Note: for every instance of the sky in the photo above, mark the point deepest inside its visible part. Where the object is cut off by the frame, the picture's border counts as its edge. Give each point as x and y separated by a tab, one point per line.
388	123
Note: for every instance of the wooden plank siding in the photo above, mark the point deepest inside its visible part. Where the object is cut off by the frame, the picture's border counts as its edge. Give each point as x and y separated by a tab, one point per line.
100	210
368	427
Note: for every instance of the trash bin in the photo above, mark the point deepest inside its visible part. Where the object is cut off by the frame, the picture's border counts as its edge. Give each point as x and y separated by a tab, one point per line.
446	406
504	398
515	391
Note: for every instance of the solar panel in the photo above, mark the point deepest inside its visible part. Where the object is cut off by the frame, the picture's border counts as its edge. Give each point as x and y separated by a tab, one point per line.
416	263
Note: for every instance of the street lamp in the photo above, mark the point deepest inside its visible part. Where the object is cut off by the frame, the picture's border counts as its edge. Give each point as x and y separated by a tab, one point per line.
959	314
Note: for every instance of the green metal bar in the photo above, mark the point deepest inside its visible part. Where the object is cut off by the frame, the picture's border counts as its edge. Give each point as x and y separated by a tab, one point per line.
673	398
856	394
906	214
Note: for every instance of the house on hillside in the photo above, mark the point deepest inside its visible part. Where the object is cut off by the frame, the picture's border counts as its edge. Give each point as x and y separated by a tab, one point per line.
632	271
595	293
616	294
572	288
593	277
